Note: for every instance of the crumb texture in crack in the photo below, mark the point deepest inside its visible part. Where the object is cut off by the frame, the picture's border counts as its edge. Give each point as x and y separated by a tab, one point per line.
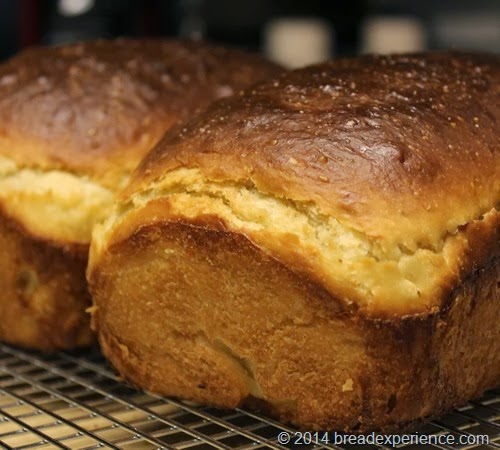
357	267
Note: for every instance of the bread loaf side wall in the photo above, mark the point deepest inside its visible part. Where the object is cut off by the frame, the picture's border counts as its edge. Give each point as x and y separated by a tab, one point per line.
234	326
44	291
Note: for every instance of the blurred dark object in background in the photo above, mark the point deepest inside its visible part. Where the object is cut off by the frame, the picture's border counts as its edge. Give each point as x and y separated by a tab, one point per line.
294	31
9	28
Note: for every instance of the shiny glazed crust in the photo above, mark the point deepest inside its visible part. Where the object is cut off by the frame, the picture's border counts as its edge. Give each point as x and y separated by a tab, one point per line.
96	108
74	122
324	246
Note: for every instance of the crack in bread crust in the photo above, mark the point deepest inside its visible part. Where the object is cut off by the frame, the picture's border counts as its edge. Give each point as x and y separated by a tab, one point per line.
70	205
357	268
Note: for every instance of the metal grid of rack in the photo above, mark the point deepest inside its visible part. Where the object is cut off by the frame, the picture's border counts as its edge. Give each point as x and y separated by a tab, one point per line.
74	401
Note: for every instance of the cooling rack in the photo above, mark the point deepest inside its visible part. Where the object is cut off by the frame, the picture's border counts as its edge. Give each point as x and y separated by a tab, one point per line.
74	401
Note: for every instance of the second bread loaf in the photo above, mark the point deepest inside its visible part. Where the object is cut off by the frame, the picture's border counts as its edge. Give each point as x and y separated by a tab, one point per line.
74	122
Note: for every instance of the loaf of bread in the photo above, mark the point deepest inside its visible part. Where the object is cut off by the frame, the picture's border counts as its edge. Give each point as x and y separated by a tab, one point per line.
324	246
74	122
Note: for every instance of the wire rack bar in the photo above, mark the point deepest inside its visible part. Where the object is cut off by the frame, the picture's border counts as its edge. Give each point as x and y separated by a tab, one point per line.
75	401
56	394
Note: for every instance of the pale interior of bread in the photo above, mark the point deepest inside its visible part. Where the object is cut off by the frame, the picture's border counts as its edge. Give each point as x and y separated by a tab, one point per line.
52	204
354	266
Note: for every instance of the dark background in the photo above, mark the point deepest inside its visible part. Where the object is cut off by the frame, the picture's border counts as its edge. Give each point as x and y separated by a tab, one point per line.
463	24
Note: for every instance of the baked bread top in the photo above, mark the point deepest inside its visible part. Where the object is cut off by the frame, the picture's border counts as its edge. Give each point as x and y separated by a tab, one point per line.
94	108
75	120
378	177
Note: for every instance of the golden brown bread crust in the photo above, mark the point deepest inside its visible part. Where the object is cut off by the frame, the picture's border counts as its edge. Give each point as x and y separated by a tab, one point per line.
95	108
74	122
327	245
